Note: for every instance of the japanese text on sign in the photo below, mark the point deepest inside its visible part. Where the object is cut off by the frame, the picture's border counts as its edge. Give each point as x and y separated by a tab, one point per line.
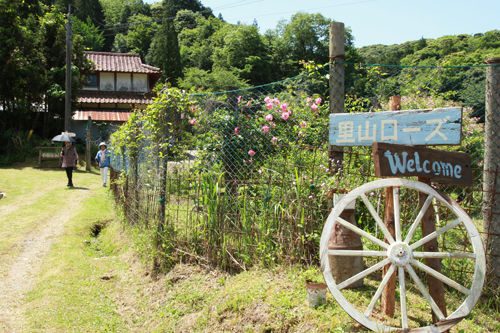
412	127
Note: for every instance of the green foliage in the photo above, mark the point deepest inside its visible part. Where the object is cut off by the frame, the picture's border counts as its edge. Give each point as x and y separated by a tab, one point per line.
160	124
92	38
199	80
462	50
165	52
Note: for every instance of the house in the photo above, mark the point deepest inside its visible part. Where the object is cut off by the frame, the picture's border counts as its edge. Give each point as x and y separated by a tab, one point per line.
120	83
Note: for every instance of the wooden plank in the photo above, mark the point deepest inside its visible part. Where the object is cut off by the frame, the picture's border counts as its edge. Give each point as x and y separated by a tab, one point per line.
436	286
438	165
411	127
388	302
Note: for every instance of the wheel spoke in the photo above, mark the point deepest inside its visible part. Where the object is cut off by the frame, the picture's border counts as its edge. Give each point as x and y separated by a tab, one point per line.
380	290
397	214
441	277
425	293
444	255
361	275
357	230
418	219
377	218
436	233
357	253
402	296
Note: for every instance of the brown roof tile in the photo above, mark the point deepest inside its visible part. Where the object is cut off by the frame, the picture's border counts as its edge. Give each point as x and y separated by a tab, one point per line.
120	62
93	96
102	115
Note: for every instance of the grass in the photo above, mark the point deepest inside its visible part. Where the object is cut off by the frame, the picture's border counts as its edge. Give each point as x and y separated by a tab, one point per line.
98	276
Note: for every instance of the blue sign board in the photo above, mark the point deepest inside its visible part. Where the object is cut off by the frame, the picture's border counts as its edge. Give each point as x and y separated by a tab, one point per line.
410	127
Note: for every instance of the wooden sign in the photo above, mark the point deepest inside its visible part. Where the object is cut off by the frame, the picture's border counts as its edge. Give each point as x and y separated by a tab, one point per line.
411	127
438	165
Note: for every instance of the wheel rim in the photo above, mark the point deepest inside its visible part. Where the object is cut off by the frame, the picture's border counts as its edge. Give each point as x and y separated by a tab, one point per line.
402	255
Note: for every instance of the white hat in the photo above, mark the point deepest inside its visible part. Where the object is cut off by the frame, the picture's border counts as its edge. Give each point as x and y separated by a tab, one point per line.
103	144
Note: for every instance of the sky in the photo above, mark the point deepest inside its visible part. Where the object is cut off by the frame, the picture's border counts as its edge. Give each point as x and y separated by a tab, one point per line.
371	21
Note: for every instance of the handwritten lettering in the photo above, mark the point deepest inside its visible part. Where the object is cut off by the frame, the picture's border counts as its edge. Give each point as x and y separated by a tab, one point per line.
404	164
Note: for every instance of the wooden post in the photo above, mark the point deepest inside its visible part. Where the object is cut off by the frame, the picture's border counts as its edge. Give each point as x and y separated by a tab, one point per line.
337	76
389	294
491	183
341	238
88	146
436	287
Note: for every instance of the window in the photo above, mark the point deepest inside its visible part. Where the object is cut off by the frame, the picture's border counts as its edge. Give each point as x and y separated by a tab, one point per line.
91	81
107	81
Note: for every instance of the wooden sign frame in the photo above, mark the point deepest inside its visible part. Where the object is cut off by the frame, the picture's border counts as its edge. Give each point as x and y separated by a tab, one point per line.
394	160
429	127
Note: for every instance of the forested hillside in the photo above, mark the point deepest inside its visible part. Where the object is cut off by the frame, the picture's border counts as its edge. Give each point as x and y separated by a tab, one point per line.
457	50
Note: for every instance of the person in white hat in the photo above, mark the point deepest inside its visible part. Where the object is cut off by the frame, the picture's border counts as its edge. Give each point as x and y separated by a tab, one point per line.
103	160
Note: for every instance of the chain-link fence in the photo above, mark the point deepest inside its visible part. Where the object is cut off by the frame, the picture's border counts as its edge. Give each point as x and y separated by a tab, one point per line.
251	177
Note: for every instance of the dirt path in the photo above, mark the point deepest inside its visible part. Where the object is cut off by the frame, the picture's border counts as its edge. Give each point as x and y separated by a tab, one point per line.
23	268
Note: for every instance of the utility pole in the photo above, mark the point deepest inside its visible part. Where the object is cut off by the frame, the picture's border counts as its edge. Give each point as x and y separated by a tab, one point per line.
67	109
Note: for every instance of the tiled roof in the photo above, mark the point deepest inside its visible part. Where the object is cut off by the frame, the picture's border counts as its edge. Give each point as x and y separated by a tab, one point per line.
122	97
102	115
120	62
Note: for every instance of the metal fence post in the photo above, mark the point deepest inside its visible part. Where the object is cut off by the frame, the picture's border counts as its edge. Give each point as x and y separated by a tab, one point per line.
491	185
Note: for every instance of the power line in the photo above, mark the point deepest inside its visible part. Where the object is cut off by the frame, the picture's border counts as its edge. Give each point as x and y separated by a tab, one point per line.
309	9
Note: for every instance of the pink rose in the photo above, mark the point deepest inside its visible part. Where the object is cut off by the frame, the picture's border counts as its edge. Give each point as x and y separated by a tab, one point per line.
239	99
267	99
248	104
314	107
265	129
284	106
237	130
269	106
251	152
318	100
303	124
300	134
274	139
285	116
269	117
192	122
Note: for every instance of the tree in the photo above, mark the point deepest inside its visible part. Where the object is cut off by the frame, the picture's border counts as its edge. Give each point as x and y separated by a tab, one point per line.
32	50
305	38
196	38
245	52
192	5
141	35
165	51
198	80
84	9
92	38
22	72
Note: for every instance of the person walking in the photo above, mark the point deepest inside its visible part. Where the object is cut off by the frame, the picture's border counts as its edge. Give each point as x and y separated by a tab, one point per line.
103	160
70	159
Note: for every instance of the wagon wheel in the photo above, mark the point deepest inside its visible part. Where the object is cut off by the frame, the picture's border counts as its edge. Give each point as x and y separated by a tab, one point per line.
403	254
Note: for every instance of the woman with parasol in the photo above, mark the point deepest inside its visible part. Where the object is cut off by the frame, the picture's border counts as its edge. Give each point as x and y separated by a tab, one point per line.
69	154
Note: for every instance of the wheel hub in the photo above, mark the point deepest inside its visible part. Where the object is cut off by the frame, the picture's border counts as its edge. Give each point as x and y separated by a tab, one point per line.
399	254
